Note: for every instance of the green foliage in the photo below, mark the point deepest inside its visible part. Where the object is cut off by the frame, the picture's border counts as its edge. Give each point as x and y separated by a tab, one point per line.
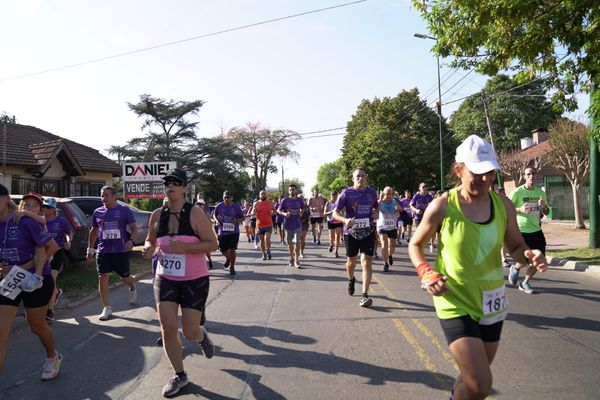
329	177
559	39
146	204
396	140
514	112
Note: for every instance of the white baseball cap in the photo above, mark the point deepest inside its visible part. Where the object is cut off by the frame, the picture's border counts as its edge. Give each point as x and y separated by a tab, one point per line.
477	154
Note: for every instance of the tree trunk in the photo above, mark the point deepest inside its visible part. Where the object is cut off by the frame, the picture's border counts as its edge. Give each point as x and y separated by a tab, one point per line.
579	224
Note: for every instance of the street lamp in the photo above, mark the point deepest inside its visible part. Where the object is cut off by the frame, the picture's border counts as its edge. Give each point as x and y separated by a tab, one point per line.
439	109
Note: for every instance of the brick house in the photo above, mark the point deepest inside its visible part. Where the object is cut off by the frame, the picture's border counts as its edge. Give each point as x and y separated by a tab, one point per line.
552	180
35	160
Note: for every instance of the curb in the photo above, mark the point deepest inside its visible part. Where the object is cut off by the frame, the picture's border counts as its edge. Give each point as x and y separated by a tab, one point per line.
20	322
567	265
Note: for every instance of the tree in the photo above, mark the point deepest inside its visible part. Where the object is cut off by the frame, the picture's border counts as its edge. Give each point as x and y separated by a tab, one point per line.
171	135
260	147
559	39
329	177
514	110
569	140
396	140
513	164
289	181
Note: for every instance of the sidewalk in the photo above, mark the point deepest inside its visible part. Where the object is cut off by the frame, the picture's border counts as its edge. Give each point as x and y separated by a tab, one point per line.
561	235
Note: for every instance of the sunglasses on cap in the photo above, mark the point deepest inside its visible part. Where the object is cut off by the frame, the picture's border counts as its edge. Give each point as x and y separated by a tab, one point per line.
173	182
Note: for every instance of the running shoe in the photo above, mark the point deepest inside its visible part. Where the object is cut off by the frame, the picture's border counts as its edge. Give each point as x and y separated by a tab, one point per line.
330	248
506	264
302	255
430	248
336	255
226	265
208	348
351	283
297	265
269	255
51	367
291	263
390	260
33	283
314	239
402	236
210	265
264	257
106	313
376	255
232	270
174	385
365	300
132	295
255	246
526	288
318	241
513	275
386	267
49	315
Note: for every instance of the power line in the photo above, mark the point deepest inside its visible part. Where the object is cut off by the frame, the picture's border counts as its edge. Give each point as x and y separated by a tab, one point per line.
158	46
321	131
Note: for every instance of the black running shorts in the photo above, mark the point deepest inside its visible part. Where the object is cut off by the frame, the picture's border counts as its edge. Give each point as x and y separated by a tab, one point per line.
228	242
113	262
392	233
365	246
188	294
35	299
535	241
465	326
59	260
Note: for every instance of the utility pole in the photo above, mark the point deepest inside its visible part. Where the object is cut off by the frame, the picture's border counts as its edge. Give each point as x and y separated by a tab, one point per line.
491	132
4	134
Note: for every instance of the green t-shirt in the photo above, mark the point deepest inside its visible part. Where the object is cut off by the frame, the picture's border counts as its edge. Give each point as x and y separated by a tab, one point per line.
529	222
469	255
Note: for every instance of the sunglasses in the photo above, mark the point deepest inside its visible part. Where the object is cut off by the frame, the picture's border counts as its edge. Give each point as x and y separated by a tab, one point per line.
173	182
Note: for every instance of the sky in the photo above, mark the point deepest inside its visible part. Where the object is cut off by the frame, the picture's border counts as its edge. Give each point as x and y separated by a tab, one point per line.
306	73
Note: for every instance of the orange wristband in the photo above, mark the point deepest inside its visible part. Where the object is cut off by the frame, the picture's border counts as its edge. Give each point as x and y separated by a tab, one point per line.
424	268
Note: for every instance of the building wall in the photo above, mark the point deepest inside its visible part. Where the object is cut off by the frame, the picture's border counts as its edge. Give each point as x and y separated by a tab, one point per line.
56	170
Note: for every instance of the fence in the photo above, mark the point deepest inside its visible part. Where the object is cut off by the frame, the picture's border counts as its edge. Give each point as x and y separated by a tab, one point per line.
53	187
560	199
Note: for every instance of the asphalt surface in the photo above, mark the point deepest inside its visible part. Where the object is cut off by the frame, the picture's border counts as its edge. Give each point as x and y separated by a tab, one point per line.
283	333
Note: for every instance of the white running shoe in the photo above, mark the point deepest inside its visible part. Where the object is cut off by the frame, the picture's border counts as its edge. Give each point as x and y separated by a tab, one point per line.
51	367
133	295
106	313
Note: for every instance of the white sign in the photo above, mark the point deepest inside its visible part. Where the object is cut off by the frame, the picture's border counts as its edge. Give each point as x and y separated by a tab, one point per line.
147	171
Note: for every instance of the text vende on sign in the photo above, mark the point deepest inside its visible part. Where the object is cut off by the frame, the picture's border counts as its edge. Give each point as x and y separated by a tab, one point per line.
147	171
144	180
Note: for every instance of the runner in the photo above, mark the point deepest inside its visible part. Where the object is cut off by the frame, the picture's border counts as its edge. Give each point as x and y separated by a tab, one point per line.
28	245
61	232
247	211
335	227
305	220
418	205
31	206
467	283
406	216
279	221
359	204
389	210
180	235
201	203
290	208
529	201
316	204
228	215
264	210
109	224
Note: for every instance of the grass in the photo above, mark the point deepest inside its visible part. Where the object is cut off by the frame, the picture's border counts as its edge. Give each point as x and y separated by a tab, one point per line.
586	255
80	279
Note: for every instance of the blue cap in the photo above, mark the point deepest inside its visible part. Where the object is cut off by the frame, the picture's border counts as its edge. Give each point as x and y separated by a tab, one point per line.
50	202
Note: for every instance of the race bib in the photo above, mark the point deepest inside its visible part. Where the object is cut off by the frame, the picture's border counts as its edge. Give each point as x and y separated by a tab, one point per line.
315	214
532	208
494	301
389	224
361	223
171	265
228	227
10	286
111	234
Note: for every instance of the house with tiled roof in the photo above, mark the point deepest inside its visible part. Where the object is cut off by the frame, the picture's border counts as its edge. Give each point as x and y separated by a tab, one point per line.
552	180
35	160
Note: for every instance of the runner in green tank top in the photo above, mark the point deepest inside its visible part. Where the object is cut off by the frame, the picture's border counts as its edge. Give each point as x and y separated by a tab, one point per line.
467	282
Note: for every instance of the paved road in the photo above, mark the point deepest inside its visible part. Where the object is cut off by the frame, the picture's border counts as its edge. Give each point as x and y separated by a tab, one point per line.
284	333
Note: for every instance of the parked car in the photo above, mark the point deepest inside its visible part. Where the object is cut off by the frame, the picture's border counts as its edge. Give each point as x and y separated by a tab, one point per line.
89	203
78	222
